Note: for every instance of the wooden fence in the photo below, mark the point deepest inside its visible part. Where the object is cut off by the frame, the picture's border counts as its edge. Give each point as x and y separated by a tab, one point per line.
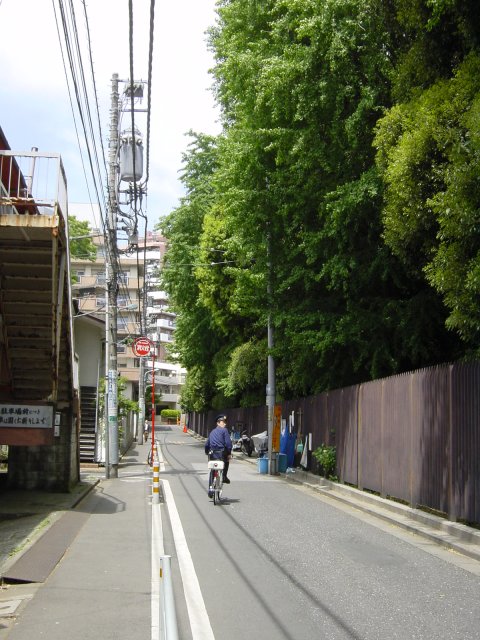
414	437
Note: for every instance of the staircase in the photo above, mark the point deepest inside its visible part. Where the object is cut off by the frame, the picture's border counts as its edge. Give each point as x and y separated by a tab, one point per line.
88	433
36	341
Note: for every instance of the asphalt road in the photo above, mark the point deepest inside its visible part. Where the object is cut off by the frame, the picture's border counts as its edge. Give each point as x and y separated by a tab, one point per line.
277	561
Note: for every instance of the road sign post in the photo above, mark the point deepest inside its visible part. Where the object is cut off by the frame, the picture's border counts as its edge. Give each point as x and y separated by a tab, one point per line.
142	348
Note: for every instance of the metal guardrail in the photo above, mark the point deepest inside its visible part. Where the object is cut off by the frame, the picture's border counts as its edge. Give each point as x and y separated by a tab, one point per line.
167	601
167	612
33	183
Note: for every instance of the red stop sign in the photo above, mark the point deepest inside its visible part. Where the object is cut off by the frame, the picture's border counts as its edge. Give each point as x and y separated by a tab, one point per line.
141	347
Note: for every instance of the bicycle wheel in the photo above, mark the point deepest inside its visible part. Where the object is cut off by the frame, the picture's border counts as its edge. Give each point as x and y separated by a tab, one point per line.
216	488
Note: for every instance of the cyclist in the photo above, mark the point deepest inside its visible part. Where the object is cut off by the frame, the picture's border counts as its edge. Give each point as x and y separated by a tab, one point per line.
220	445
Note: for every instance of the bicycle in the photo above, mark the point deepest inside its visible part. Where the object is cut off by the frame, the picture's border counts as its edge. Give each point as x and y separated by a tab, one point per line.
215	480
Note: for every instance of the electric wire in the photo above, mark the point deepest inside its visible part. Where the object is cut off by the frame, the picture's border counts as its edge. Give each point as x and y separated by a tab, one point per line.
72	51
73	110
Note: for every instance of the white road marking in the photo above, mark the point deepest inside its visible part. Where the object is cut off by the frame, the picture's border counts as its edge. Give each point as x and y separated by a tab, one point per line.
197	612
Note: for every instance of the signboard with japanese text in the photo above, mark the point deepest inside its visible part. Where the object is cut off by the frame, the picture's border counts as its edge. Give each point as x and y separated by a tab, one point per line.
28	416
27	424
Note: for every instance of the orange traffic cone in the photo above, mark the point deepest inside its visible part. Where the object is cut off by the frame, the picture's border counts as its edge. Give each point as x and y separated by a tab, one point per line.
185	430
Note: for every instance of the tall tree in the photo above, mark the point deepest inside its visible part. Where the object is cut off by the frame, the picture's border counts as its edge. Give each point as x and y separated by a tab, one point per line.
428	154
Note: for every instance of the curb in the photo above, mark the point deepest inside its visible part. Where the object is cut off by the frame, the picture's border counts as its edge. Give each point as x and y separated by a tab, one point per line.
446	533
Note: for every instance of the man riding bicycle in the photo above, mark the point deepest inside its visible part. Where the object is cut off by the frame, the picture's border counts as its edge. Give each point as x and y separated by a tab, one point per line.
218	445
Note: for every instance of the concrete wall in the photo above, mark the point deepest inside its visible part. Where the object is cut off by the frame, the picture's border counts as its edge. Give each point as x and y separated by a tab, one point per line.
48	468
89	337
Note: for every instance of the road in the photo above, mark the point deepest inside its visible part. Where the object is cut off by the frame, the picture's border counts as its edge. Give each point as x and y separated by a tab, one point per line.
275	560
280	561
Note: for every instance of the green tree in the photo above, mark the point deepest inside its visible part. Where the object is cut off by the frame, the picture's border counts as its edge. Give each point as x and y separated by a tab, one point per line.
429	151
302	86
428	155
197	337
80	247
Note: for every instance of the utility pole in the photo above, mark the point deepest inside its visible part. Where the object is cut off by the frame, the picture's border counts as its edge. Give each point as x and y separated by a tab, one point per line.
141	380
271	387
111	397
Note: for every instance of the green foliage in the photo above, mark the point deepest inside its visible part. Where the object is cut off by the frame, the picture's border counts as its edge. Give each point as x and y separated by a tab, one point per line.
246	373
350	148
170	413
124	405
148	397
429	151
327	459
82	247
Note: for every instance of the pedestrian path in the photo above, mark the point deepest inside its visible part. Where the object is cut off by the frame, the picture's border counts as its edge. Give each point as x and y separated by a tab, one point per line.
102	535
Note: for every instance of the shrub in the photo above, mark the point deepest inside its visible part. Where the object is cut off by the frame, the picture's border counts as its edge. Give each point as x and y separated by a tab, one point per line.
327	459
170	413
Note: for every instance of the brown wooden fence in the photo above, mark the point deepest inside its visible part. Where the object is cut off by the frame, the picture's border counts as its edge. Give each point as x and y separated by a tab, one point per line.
413	437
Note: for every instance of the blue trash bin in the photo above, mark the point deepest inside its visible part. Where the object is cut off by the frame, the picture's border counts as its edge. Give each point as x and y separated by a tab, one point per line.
262	465
282	462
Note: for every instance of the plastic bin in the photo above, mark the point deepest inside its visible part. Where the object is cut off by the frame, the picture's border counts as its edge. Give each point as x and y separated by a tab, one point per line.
282	462
262	465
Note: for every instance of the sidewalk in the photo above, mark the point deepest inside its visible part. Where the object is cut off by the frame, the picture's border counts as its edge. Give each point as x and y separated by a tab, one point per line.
38	529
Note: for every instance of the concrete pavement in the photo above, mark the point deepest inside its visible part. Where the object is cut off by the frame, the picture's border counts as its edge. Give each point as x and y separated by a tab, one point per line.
37	528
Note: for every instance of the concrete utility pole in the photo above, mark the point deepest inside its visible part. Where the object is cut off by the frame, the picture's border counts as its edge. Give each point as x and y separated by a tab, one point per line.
111	398
271	387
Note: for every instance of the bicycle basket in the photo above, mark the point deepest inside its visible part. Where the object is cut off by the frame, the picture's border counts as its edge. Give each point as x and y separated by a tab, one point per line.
216	464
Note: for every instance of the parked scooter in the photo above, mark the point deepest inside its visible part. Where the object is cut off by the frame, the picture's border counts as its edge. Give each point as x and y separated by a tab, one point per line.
246	444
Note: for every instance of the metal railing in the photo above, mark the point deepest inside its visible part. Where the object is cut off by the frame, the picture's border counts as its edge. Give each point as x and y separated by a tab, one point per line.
33	183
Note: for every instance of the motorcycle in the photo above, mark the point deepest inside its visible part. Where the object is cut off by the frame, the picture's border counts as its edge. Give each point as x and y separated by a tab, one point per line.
244	444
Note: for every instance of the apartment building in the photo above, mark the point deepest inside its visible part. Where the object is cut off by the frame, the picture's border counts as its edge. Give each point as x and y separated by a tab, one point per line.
169	377
90	292
135	273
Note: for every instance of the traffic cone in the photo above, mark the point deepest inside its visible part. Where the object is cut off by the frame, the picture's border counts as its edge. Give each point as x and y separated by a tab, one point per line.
185	430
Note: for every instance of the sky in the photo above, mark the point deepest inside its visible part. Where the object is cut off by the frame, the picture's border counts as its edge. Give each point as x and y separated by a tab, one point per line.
35	107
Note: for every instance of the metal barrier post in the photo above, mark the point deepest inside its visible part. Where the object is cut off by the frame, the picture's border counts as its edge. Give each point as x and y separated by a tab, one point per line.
167	600
156	476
